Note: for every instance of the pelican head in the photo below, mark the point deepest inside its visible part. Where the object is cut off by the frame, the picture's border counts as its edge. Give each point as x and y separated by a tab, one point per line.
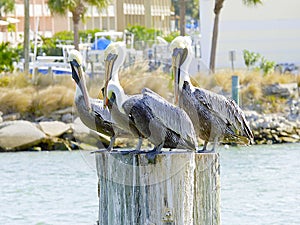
181	59
75	59
114	57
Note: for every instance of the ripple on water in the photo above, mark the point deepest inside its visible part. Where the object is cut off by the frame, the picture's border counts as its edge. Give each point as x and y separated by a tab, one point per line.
260	185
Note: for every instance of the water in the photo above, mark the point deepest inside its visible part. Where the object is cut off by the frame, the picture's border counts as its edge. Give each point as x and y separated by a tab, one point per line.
260	185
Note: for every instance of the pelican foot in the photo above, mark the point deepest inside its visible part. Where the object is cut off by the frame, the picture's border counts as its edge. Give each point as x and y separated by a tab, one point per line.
132	152
99	151
150	155
206	151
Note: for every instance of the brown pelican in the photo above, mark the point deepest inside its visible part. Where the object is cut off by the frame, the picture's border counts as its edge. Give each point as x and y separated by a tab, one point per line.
91	111
215	117
147	115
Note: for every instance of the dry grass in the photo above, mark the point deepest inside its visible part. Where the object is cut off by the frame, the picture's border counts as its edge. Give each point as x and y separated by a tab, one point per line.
16	99
20	94
252	86
134	80
52	98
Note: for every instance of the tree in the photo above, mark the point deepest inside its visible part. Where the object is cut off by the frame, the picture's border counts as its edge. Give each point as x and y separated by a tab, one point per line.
217	10
78	9
183	8
6	6
26	36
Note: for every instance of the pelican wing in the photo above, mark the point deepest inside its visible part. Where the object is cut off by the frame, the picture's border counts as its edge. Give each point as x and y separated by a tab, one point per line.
224	108
99	110
171	116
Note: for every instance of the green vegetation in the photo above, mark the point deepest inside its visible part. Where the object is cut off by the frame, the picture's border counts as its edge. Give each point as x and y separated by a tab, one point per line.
8	55
267	66
251	60
78	9
170	37
142	33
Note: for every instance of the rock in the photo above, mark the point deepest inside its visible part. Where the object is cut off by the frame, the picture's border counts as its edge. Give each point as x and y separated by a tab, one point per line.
296	137
88	136
67	118
18	135
288	139
284	134
11	117
282	90
64	111
1	119
54	128
42	119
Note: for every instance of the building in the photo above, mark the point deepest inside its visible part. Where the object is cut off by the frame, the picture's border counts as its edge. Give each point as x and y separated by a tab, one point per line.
271	29
117	16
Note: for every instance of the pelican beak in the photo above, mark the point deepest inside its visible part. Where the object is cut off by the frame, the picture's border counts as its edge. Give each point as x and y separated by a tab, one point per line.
78	76
109	64
178	57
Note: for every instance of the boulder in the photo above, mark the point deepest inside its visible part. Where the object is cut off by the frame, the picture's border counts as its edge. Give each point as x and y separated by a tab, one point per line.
54	128
67	118
282	90
83	134
11	117
19	134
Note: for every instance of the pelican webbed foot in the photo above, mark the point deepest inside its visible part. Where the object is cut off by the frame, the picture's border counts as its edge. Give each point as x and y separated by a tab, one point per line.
99	151
132	152
205	150
155	151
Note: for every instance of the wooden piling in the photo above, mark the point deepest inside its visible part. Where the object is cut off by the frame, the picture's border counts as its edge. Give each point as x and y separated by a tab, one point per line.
177	188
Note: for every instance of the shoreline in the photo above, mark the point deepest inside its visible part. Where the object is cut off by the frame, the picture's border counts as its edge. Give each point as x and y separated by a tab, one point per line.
63	130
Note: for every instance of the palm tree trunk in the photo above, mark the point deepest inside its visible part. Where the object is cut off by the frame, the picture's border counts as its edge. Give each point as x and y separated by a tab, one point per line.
26	36
76	19
182	17
217	10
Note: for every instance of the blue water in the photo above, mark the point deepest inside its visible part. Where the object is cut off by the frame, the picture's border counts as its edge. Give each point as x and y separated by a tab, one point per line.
260	185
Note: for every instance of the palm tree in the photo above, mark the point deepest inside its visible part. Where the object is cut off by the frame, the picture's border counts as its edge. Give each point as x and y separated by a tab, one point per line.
217	10
78	9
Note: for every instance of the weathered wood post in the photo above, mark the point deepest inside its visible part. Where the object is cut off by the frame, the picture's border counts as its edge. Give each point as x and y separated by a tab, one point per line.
235	88
178	188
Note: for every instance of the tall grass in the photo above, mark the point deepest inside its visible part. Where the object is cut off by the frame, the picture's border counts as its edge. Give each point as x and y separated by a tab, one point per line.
20	94
40	97
252	85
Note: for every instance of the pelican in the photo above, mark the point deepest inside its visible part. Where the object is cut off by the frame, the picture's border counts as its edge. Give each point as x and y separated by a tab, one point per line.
215	117
147	114
114	57
91	111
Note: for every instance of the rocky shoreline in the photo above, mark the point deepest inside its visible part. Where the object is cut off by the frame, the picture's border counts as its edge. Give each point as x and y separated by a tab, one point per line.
63	130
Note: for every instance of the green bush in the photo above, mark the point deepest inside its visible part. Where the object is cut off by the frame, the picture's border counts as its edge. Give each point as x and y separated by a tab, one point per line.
267	66
250	58
170	37
142	33
8	56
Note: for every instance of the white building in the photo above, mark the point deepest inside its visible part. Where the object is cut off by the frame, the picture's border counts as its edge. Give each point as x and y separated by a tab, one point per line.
271	29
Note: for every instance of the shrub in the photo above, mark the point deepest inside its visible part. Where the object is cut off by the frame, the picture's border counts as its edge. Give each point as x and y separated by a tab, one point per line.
8	56
267	66
170	37
14	100
250	58
52	98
